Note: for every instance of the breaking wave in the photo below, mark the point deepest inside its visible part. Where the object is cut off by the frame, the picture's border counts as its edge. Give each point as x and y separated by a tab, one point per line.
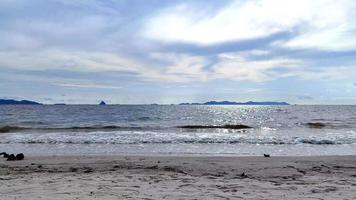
7	129
117	139
227	126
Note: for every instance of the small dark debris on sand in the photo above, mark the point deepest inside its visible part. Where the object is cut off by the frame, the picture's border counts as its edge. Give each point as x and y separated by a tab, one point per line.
73	169
243	175
20	156
153	167
4	154
11	157
266	155
88	170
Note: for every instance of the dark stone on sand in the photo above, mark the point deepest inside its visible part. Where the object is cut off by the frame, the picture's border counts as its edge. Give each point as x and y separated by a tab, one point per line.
73	169
88	170
153	167
11	157
266	155
20	156
237	126
5	155
172	169
243	175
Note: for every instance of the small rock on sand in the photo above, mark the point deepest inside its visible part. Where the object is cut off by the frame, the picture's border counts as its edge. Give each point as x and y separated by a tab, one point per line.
20	156
11	157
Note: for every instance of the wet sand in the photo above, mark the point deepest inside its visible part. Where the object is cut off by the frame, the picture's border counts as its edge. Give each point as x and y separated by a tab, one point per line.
168	177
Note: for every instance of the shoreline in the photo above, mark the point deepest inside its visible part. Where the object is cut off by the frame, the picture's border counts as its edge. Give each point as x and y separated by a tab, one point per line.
179	177
189	150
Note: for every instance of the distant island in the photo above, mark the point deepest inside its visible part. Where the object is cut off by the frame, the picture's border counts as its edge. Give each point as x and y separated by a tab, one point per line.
28	102
266	103
16	102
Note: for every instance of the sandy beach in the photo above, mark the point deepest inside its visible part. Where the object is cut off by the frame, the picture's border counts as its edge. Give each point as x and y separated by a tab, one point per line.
165	177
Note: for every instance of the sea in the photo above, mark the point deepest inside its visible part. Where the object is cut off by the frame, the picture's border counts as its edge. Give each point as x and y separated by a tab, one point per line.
192	130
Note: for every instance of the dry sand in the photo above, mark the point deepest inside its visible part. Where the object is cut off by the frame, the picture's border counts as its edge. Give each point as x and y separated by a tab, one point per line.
154	177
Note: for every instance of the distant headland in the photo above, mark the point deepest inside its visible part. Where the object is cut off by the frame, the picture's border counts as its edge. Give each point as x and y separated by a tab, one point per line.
267	103
28	102
16	102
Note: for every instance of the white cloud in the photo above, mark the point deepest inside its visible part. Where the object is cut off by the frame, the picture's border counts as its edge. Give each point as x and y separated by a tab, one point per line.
332	27
68	60
184	66
18	40
81	61
176	67
324	24
237	67
170	67
87	85
324	73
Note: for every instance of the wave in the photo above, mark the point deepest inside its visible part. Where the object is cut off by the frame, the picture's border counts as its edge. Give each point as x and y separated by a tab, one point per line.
321	125
320	142
7	129
178	141
318	125
227	126
312	125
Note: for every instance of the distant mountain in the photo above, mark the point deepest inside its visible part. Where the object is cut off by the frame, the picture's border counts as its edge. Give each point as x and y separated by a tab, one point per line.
16	102
238	103
102	103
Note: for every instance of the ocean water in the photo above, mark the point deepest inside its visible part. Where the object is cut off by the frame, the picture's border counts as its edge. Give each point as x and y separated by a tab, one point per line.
157	130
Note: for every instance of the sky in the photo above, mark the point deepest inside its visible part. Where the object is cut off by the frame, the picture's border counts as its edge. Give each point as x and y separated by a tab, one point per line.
157	51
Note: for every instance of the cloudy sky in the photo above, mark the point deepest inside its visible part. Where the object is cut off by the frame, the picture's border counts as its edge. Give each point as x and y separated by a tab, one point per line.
156	51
